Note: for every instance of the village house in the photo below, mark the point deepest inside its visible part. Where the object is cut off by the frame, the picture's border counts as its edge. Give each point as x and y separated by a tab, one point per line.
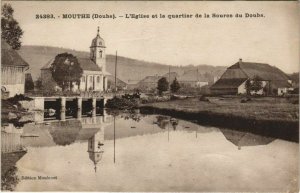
233	81
121	85
150	82
94	77
193	79
13	69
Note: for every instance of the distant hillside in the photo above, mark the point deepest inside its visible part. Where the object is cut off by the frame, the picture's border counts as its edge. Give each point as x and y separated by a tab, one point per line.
128	69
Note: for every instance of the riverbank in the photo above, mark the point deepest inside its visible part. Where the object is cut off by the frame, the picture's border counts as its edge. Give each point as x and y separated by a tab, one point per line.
273	117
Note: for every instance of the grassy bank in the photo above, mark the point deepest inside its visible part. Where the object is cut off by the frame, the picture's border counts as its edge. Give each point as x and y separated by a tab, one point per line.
276	117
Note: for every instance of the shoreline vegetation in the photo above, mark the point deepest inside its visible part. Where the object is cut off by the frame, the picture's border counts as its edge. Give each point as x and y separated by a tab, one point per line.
267	116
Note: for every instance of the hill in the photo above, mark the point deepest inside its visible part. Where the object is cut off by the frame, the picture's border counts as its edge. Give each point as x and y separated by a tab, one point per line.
128	68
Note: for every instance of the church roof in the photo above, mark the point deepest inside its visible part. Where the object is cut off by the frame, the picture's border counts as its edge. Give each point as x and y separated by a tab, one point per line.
85	64
88	64
10	57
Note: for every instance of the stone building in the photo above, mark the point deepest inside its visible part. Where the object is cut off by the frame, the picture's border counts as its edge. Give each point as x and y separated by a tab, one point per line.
94	77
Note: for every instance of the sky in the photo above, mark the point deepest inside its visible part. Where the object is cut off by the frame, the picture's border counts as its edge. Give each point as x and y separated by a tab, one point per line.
272	39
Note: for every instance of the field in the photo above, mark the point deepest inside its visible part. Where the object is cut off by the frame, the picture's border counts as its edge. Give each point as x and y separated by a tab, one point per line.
265	108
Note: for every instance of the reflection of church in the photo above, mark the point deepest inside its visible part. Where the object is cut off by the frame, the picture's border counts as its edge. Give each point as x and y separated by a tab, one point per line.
95	147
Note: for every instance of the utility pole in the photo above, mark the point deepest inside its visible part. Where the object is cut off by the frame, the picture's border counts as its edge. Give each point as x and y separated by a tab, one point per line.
116	63
114	138
169	82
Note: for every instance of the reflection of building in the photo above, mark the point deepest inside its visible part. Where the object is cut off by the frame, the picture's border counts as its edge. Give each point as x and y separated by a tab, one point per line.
95	148
11	139
12	149
240	138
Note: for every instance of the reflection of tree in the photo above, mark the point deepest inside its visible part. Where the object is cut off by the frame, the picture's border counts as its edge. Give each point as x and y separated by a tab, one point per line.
132	114
65	133
9	179
162	121
174	124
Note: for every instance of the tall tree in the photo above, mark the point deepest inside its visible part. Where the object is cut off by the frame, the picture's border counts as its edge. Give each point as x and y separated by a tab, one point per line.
248	87
65	70
10	29
256	84
162	85
175	86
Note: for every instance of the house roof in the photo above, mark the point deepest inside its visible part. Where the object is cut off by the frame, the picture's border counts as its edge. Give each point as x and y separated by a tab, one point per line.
263	71
112	78
150	79
228	83
192	76
10	57
172	75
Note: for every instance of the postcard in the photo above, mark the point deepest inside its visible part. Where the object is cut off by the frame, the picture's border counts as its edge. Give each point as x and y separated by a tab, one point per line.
150	96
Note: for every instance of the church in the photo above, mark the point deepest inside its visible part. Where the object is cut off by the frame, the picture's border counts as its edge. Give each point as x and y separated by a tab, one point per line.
94	77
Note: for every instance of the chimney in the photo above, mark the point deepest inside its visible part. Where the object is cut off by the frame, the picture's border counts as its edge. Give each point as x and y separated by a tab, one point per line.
240	60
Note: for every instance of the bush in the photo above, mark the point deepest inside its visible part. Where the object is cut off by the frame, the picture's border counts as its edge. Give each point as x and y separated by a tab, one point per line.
154	99
203	98
121	103
244	100
18	97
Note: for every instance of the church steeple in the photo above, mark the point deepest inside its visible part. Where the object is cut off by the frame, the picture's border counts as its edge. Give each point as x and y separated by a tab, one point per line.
97	50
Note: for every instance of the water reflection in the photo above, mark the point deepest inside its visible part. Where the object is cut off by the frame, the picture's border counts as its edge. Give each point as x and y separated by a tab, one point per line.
12	150
241	139
145	144
95	147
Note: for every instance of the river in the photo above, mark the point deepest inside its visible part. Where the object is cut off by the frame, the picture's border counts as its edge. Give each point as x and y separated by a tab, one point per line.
136	152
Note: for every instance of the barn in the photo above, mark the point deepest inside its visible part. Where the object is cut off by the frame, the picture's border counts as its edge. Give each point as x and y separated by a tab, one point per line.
233	81
13	68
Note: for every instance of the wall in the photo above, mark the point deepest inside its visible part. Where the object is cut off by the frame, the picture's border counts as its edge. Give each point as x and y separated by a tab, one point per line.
13	79
242	88
14	89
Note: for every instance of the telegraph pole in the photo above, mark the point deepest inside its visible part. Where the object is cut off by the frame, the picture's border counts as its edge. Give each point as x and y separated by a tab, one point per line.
169	82
116	63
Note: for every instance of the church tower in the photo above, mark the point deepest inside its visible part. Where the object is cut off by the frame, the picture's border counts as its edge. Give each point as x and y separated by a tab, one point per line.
97	51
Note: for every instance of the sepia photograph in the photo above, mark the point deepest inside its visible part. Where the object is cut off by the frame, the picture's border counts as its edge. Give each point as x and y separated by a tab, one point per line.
150	96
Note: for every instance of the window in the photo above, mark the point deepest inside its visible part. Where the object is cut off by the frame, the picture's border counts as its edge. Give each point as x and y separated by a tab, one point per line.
100	52
83	79
91	79
98	79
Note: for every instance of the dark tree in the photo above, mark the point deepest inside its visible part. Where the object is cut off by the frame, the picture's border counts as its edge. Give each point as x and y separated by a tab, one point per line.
162	85
256	84
175	86
248	87
9	179
66	70
38	83
10	29
29	85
